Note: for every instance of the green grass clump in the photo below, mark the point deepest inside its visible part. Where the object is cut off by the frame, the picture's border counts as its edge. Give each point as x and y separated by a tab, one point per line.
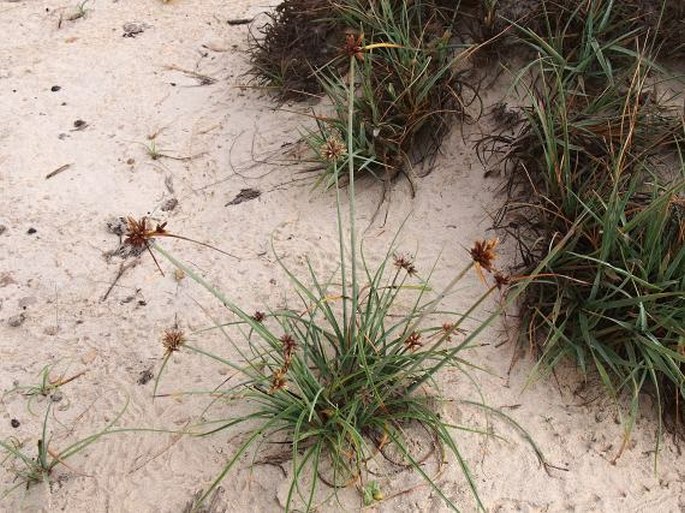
411	79
409	87
351	374
598	160
31	468
570	25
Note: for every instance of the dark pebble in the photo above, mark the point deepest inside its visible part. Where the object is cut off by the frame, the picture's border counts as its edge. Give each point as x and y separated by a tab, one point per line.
16	320
15	423
145	376
31	231
79	123
55	88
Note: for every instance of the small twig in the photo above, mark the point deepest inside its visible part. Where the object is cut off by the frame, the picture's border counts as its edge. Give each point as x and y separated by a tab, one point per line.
240	21
203	79
57	171
122	268
59	459
60	382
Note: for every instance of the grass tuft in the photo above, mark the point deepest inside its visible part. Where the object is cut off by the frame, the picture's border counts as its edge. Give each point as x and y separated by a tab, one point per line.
350	375
598	160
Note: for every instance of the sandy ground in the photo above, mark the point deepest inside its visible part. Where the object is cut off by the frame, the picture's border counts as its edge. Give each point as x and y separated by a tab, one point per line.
76	92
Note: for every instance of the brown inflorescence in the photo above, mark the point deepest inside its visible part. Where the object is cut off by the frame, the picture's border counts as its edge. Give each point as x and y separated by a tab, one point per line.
289	346
332	150
353	46
483	253
405	262
138	233
278	381
172	340
413	341
502	280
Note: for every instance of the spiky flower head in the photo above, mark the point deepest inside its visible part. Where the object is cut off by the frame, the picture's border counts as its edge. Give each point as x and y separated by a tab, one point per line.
406	263
483	255
278	381
413	341
332	149
172	340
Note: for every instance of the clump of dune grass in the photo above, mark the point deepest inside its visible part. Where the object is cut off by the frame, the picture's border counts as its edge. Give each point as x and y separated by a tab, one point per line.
598	161
570	25
349	376
410	88
412	79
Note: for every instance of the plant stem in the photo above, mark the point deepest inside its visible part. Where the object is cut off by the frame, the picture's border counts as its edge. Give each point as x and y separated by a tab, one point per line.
350	167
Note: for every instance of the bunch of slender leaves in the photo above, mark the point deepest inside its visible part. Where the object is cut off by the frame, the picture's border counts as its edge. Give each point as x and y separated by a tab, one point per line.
599	161
33	468
411	82
350	374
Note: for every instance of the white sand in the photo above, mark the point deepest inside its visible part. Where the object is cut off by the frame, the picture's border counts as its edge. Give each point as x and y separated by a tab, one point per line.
56	277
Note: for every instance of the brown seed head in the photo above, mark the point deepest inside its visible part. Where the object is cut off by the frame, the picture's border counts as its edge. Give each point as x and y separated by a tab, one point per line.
259	316
483	253
289	346
278	381
405	262
413	341
354	46
172	340
501	280
447	328
332	150
136	232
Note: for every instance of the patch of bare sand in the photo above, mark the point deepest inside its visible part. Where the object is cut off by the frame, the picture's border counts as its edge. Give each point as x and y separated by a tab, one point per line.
78	92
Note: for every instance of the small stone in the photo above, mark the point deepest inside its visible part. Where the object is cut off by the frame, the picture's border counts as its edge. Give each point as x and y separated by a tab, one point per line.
57	396
132	29
31	231
145	376
169	205
16	320
55	88
244	195
15	423
3	229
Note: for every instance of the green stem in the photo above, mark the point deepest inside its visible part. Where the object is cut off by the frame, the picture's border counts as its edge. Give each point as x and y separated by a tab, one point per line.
350	166
341	242
438	300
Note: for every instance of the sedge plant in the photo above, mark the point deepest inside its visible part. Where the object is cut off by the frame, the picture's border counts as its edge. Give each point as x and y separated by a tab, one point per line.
409	87
48	384
347	376
600	162
34	467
